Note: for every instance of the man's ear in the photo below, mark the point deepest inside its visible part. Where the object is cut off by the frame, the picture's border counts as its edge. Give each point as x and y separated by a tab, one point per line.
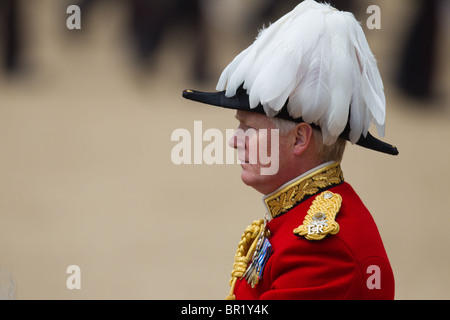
303	133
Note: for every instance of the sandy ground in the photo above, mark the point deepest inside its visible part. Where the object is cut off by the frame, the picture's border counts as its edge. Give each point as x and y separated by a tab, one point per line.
86	176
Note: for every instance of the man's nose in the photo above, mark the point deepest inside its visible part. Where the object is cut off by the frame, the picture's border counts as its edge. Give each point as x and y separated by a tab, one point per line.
233	141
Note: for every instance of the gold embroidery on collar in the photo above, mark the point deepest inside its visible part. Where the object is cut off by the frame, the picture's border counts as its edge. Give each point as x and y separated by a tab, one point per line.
291	195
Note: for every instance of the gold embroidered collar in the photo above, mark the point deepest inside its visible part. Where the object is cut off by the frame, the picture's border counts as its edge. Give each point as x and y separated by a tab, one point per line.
289	196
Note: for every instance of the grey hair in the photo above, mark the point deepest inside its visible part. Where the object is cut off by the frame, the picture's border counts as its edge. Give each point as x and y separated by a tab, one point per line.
326	153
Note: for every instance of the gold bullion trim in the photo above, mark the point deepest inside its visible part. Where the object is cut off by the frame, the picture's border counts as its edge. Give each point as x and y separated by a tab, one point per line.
291	195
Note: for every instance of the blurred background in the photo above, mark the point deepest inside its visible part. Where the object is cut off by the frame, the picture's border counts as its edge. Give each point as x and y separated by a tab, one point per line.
86	118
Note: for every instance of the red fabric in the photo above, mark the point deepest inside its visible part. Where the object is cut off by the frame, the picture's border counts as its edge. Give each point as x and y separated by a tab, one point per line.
341	266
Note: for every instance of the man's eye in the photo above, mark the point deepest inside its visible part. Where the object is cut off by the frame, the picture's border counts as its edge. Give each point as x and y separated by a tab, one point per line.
245	127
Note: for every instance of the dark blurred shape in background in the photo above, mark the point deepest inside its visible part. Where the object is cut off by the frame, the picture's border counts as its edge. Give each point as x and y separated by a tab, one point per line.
418	57
150	20
10	40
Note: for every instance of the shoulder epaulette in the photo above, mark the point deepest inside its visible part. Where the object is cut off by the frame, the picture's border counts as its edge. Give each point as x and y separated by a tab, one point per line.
320	218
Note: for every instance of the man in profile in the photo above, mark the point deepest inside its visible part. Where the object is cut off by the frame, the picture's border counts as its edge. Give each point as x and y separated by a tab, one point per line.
312	78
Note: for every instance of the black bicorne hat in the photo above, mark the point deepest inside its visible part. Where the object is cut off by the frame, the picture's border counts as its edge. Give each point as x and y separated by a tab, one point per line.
240	101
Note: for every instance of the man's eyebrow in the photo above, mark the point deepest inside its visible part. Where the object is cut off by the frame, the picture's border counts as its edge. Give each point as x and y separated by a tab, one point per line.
239	118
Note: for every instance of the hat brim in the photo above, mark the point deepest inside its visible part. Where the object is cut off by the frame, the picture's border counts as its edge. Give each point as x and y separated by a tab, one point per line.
240	101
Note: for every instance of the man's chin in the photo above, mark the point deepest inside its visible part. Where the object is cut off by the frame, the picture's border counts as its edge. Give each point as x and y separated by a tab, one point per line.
247	177
251	178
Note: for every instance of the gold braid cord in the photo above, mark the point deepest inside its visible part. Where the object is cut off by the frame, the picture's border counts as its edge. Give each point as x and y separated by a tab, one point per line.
320	218
244	253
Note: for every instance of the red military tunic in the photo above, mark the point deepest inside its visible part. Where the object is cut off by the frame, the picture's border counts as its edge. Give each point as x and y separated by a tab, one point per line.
351	264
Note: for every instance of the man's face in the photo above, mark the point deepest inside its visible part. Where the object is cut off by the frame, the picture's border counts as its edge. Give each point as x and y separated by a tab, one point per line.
257	142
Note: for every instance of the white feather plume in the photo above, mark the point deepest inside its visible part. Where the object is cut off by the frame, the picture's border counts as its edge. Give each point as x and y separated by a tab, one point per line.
318	59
